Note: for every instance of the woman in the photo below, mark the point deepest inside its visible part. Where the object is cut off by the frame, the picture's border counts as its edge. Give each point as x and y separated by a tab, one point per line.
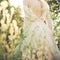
39	43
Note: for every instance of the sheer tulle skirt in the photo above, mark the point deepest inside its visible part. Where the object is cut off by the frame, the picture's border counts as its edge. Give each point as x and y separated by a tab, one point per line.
39	42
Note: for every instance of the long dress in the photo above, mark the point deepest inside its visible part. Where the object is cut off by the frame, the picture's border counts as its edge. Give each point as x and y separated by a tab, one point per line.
39	42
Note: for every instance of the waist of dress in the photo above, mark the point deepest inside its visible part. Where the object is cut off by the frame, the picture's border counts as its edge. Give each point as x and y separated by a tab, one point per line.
35	19
31	16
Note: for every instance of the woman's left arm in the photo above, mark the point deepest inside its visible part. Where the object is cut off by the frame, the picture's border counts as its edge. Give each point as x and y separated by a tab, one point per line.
46	14
49	20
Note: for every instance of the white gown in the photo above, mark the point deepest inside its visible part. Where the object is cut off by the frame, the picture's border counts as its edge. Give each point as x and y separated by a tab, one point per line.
39	42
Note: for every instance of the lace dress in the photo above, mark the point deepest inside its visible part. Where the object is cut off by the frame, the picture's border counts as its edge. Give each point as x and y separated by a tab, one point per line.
39	42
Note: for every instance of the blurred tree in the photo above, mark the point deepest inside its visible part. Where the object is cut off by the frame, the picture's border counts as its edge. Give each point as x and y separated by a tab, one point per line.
55	14
54	7
10	27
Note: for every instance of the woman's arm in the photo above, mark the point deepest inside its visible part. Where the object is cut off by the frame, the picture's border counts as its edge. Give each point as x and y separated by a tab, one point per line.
46	14
49	20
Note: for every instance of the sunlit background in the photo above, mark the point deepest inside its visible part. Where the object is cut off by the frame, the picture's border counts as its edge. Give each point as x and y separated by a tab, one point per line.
17	3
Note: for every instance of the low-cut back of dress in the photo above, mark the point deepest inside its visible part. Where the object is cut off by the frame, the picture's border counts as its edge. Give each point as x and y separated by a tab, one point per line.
39	42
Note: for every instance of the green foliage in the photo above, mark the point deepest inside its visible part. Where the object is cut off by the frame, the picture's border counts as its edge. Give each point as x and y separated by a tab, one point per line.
10	28
54	7
55	14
